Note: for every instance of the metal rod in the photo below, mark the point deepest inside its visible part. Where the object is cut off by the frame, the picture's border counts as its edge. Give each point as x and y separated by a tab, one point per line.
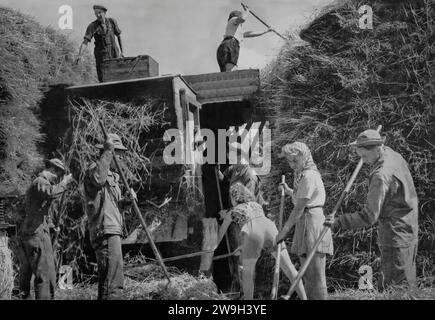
275	283
325	228
263	22
195	254
137	210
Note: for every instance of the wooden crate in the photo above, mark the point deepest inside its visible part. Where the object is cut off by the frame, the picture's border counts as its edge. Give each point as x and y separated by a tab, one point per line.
129	68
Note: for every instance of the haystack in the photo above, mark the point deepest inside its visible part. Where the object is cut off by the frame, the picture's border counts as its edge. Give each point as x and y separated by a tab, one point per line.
344	80
31	58
6	270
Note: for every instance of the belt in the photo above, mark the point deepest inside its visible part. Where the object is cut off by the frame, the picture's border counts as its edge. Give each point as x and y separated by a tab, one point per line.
308	208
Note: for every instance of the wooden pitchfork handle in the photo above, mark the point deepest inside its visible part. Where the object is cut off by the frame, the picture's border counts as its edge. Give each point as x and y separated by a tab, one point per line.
263	22
325	228
275	282
137	210
221	206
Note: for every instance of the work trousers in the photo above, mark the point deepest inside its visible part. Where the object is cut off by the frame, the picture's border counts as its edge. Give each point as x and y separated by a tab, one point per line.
110	267
315	277
397	266
109	52
38	260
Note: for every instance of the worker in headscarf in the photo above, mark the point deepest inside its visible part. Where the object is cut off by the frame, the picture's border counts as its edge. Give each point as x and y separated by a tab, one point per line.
308	195
103	30
392	202
257	233
243	173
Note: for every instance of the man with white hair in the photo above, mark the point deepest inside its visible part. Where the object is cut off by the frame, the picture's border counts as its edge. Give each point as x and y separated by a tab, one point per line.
392	202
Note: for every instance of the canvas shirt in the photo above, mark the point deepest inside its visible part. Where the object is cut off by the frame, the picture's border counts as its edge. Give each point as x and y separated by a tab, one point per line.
101	184
391	200
39	196
311	187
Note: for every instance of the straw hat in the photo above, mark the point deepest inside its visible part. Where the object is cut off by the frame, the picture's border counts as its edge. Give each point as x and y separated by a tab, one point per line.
116	141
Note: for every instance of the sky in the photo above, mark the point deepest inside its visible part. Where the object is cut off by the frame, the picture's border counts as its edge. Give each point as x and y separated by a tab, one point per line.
181	35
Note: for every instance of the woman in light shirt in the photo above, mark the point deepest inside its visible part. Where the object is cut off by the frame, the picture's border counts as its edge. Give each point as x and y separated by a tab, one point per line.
307	216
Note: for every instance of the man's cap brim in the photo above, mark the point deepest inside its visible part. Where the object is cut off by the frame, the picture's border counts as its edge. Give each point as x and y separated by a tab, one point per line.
100	146
366	143
95	7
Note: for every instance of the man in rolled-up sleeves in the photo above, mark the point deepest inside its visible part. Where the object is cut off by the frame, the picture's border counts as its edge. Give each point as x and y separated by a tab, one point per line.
103	30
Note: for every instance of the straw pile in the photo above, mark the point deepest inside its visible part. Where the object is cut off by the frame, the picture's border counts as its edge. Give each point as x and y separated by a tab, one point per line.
6	270
131	123
343	80
31	58
149	283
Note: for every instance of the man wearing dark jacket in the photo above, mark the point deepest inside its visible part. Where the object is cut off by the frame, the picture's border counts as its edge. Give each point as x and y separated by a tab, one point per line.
391	202
35	234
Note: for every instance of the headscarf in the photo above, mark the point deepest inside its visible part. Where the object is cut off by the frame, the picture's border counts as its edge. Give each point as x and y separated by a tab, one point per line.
300	149
240	194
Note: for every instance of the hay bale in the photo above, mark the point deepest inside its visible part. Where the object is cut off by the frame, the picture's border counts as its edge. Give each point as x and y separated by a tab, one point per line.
6	269
343	81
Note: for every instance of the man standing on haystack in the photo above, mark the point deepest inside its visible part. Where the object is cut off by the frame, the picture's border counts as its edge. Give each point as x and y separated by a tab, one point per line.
104	31
392	201
228	51
103	196
35	234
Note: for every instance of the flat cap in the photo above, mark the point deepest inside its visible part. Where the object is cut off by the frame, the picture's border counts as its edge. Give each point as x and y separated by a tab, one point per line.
368	137
99	7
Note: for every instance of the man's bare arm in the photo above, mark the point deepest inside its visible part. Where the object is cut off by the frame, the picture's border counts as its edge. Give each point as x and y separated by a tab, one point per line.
120	45
82	49
252	34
